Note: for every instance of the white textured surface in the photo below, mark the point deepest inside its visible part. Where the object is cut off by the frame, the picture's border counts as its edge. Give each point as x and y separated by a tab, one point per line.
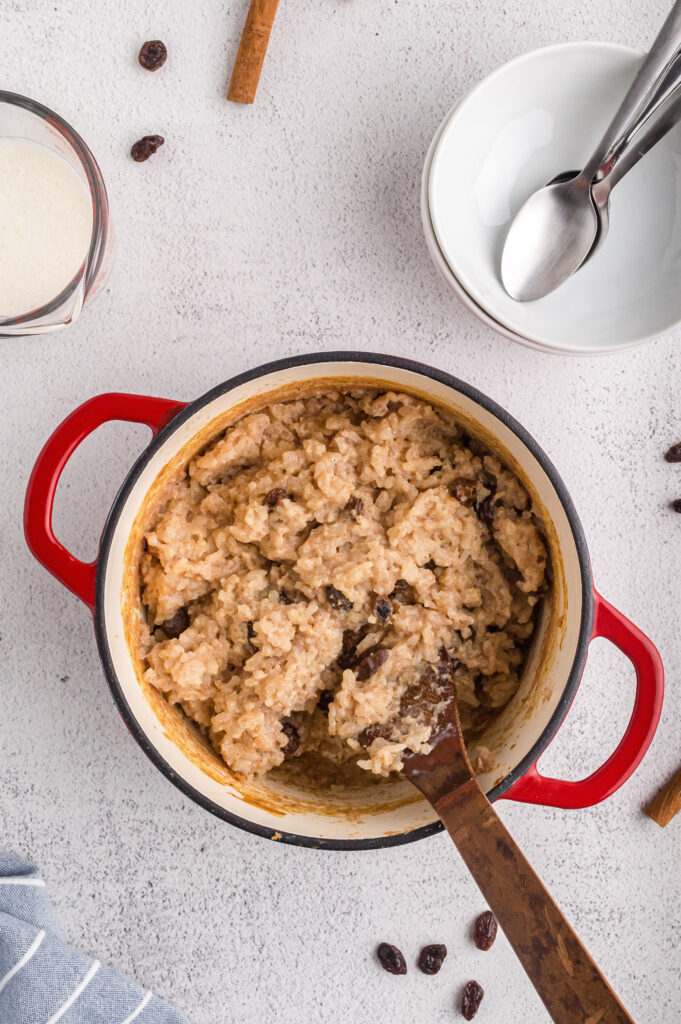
288	227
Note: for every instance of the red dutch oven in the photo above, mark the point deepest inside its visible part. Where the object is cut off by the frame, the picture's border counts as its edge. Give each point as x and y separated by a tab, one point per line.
394	813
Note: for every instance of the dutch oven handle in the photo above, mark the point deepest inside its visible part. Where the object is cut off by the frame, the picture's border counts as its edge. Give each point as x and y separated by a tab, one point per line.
79	576
533	788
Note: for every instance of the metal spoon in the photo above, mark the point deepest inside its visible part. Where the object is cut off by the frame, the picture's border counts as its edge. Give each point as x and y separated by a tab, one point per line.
668	115
556	228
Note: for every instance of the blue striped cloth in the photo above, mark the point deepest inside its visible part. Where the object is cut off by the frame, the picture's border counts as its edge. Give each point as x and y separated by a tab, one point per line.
44	980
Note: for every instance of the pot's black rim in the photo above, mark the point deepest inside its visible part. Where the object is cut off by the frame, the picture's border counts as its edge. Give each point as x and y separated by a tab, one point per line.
376	359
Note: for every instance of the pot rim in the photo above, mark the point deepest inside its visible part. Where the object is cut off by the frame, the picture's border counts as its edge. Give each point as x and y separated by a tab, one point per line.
376	359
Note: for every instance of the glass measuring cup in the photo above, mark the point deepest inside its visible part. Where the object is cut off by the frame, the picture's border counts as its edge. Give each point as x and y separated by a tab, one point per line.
23	119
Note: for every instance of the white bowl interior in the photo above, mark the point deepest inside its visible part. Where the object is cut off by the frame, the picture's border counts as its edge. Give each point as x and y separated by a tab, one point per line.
443	267
518	729
530	120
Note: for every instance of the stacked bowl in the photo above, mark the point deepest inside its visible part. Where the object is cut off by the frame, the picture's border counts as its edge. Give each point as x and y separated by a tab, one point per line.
532	119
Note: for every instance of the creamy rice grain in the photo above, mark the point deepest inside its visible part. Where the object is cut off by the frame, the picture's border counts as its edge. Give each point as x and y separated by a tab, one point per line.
356	547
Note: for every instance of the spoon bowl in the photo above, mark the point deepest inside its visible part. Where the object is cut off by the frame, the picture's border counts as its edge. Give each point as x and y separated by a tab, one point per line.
561	222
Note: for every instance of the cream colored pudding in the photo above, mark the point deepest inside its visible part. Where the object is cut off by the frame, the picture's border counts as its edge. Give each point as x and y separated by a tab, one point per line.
328	569
45	225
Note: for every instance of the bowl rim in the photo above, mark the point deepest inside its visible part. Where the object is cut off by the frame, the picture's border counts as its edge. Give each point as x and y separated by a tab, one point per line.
374	359
534	341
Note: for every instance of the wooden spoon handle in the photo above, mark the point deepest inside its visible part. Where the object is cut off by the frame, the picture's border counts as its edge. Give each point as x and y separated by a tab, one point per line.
252	50
567	980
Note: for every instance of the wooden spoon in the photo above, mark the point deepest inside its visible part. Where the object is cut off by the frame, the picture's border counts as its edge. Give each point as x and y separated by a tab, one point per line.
567	980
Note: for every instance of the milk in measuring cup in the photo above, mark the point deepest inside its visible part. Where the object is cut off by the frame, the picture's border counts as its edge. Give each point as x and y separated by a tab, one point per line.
45	225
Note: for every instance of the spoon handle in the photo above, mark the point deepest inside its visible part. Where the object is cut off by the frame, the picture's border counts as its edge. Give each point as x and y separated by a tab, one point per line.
567	980
664	50
665	115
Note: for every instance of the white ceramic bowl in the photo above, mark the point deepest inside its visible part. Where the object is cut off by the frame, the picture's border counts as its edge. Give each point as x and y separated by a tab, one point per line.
446	271
277	807
531	119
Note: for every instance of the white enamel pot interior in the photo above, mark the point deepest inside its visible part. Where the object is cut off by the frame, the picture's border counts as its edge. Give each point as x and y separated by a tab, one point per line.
276	809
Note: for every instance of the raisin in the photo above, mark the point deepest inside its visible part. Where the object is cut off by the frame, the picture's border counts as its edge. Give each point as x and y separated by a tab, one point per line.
673	454
435	686
432	958
338	600
146	147
153	55
291	732
352	638
391	959
176	624
485	930
430	564
403	592
464	490
383	609
274	497
676	504
471	999
355	506
379	730
485	509
370	662
324	700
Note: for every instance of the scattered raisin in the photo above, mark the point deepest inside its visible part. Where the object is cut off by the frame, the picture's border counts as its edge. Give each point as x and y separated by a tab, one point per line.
471	999
176	624
430	564
676	504
324	700
275	496
370	662
485	930
403	592
356	506
674	453
146	147
464	490
383	609
432	958
153	55
379	730
391	959
293	738
338	600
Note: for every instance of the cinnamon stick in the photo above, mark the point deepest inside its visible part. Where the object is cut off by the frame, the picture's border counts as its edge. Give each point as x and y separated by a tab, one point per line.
252	50
667	803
